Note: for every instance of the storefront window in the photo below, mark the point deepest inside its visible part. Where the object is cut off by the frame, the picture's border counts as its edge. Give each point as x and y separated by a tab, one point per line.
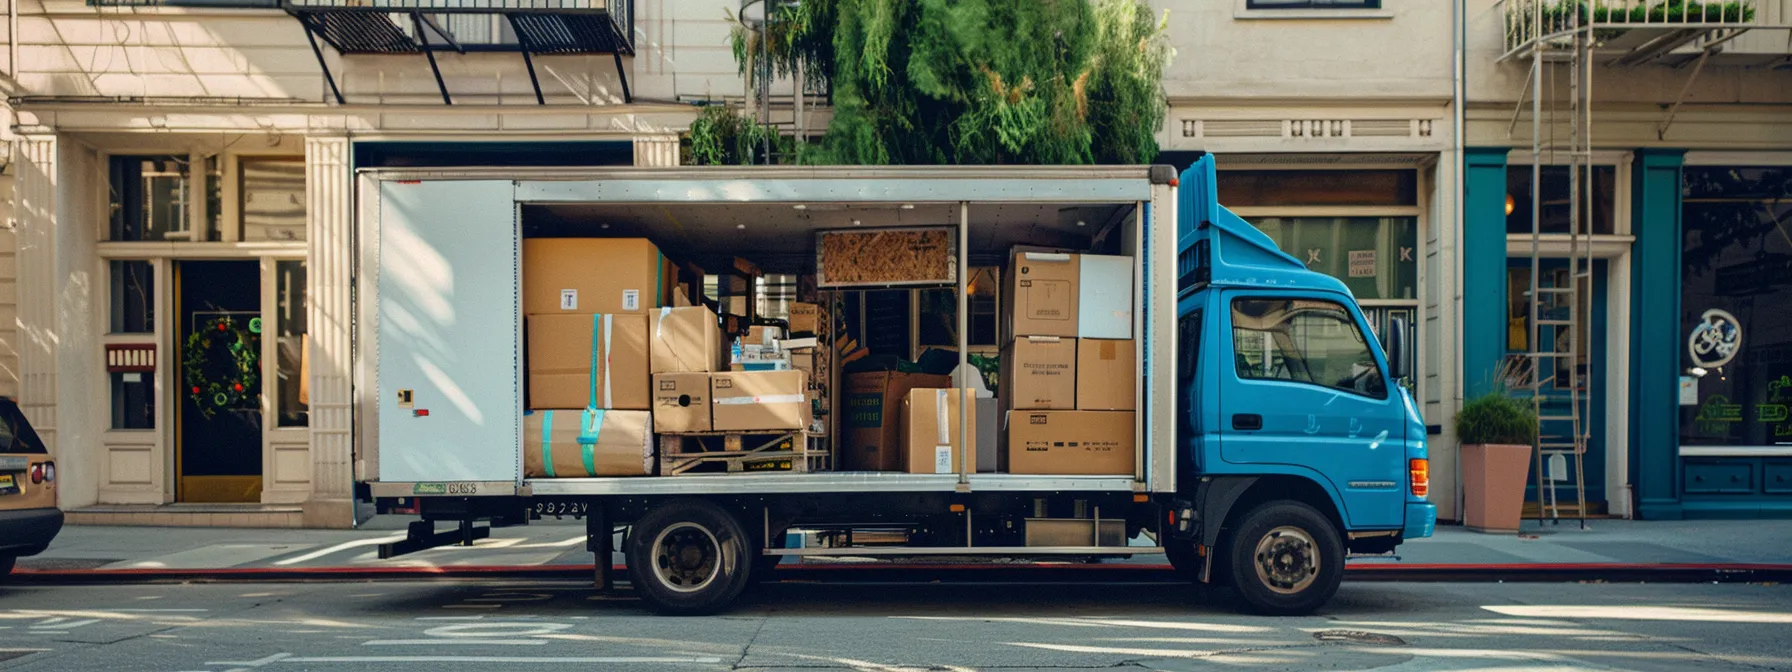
1282	188
1375	256
1556	208
273	199
1736	272
294	357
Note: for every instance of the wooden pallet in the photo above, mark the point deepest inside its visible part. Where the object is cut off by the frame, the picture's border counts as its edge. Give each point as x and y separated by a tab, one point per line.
794	450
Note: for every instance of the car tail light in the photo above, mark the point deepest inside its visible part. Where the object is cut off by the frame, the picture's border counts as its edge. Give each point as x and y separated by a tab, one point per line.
37	474
1419	471
49	472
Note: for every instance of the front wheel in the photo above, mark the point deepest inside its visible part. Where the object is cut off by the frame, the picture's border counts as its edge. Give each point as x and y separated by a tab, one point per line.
1286	557
689	557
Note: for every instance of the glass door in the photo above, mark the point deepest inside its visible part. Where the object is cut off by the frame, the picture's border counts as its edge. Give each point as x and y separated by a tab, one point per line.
1587	373
218	352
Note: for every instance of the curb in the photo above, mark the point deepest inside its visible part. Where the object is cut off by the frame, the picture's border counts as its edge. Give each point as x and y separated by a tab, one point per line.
942	573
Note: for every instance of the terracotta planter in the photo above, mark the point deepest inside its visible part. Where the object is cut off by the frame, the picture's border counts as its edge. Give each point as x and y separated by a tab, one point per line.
1493	477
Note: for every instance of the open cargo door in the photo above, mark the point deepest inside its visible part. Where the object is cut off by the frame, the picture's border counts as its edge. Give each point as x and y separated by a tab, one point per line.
447	391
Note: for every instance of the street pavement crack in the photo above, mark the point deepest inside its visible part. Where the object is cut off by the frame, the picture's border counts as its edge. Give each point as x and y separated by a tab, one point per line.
748	647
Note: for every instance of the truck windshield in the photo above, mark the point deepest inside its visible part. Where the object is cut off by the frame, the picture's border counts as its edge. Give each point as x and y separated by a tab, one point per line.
1303	340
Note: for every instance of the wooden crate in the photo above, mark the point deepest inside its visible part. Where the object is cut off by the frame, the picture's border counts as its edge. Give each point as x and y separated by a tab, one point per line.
797	451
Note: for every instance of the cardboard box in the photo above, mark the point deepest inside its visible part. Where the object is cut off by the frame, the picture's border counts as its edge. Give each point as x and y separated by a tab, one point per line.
1070	442
681	402
1039	373
989	443
929	430
594	275
872	423
556	443
1104	297
805	318
560	360
762	335
1107	376
1042	294
759	400
686	340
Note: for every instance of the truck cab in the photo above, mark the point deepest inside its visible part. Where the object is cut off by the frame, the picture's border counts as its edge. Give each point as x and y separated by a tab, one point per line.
1302	441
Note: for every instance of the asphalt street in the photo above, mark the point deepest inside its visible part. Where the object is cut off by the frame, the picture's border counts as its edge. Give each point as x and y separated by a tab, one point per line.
282	627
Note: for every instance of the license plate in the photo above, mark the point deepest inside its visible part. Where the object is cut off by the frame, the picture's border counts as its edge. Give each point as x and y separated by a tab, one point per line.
8	486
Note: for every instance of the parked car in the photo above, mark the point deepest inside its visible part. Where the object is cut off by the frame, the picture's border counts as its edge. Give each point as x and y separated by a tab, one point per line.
29	518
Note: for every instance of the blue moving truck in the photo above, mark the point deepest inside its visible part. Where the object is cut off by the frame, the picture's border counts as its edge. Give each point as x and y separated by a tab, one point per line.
1269	438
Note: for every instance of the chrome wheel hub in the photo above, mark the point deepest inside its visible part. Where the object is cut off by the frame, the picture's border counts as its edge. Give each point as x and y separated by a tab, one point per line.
686	557
1287	560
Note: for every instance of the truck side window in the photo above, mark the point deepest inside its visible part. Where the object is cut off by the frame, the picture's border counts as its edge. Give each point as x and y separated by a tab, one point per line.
1303	340
1188	346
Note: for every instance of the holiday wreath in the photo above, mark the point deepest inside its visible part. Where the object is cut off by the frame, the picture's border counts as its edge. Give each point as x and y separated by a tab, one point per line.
223	365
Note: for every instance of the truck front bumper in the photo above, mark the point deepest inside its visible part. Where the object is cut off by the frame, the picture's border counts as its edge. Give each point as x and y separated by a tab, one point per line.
1421	519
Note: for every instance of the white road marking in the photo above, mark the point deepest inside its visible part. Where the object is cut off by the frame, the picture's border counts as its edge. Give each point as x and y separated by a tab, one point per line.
454	640
489	629
255	663
339	547
158	611
495	660
450	618
62	623
471	606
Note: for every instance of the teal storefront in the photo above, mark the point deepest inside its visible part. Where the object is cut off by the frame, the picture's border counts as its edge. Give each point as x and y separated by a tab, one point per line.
1707	427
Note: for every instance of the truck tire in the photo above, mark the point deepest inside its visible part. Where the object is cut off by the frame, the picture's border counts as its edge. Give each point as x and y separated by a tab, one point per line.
1286	558
689	557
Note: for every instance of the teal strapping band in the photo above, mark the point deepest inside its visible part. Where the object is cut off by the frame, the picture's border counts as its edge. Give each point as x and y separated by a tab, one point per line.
590	425
597	322
547	441
659	279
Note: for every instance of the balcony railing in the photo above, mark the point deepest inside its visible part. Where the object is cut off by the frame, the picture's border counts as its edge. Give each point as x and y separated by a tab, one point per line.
476	23
1532	24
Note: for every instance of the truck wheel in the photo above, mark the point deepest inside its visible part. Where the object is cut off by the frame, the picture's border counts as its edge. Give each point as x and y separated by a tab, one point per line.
1287	559
689	557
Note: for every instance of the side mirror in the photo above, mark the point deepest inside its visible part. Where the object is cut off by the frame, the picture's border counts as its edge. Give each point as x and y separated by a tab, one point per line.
1396	348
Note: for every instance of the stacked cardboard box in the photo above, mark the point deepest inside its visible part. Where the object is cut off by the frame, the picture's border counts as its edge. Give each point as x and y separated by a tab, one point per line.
873	418
1070	375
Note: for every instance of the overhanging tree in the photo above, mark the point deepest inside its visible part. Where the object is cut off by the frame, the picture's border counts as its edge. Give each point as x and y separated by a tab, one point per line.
956	82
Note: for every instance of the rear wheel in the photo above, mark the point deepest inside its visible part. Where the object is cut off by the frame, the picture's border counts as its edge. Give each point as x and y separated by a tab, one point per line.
1286	558
689	557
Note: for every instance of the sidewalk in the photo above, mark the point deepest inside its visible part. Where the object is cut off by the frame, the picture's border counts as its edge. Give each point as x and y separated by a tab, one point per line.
550	543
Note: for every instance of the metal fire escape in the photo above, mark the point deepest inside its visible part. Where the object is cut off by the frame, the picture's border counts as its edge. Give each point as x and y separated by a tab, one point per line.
1563	41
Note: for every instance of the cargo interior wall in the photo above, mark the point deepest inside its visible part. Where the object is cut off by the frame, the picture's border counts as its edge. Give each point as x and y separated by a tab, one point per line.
849	310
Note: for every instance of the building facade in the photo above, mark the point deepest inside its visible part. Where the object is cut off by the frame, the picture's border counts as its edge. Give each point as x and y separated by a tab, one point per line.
180	182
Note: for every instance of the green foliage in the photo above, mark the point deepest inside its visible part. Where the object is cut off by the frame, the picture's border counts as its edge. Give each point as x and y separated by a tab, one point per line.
222	366
971	81
724	136
1566	15
1497	418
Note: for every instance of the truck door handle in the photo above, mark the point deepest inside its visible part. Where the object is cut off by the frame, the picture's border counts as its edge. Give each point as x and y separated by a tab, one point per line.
1247	421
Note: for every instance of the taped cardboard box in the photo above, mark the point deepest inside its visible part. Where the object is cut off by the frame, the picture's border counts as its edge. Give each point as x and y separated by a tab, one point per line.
805	318
930	431
594	275
1104	296
873	417
1039	373
1093	443
587	443
759	400
1107	376
686	340
1042	294
681	402
588	361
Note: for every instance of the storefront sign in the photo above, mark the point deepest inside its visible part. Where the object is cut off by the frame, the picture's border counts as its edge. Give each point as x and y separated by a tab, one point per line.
1715	339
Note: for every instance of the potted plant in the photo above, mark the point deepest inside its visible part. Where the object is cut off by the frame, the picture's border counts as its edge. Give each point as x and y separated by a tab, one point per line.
1498	432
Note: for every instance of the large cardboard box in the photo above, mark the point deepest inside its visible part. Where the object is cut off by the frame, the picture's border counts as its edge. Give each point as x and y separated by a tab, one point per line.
1042	294
1104	296
873	409
686	340
562	349
759	400
594	275
587	443
681	402
929	430
1107	377
1096	443
1039	373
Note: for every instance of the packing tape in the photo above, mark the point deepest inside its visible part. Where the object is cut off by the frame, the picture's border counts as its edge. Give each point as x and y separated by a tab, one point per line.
547	442
941	419
767	399
1046	256
591	424
597	326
